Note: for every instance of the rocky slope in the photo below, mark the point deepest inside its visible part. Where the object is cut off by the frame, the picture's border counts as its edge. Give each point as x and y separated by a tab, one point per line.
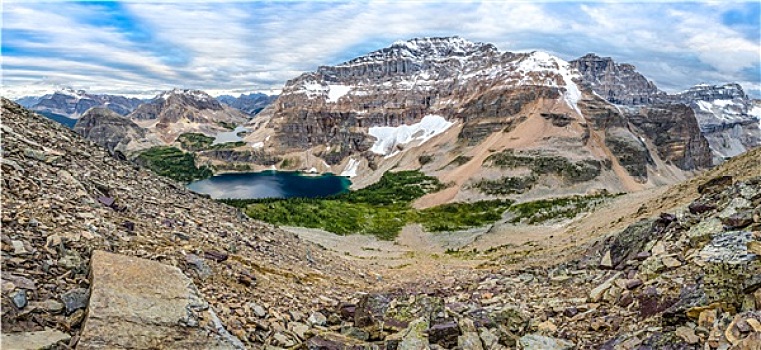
686	278
63	198
454	104
73	103
250	104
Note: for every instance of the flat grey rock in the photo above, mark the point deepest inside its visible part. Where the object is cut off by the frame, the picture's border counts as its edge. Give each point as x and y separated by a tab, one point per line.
139	304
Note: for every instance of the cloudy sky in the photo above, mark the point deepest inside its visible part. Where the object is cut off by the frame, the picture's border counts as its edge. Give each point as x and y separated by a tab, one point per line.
241	46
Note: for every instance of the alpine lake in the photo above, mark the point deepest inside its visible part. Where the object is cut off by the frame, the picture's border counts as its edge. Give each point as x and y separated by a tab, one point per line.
271	184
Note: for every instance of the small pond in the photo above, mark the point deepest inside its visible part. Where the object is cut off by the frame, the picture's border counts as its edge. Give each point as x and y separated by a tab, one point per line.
230	136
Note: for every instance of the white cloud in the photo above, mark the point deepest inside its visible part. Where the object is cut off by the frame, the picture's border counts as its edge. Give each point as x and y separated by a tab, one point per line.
248	46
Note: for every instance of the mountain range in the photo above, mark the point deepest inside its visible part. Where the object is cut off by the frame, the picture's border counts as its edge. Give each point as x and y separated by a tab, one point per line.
478	118
484	120
72	103
250	104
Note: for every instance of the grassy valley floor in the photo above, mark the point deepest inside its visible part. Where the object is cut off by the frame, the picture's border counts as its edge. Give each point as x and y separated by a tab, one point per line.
384	209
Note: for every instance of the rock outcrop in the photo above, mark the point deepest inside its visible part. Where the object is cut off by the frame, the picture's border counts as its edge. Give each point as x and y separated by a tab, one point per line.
675	132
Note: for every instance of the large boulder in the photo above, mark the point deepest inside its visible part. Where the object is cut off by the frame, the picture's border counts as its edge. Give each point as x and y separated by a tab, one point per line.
140	304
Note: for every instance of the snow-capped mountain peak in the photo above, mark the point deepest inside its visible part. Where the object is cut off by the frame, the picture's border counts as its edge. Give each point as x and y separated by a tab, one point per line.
548	66
196	95
430	63
436	47
72	94
419	50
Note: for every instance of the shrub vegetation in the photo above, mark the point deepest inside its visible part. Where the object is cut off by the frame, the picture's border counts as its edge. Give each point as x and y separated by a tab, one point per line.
173	163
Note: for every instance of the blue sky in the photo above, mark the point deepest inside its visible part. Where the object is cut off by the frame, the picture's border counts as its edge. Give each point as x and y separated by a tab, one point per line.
134	47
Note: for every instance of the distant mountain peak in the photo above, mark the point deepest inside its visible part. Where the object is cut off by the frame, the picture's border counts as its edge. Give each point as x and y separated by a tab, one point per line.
728	90
421	49
618	83
438	46
197	95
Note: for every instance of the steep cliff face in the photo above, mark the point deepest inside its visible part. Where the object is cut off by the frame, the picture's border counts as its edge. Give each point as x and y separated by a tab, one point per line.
398	85
674	130
180	111
451	77
73	104
118	134
616	83
724	113
726	116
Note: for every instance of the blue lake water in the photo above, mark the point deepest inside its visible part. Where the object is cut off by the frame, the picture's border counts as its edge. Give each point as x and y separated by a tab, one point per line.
271	184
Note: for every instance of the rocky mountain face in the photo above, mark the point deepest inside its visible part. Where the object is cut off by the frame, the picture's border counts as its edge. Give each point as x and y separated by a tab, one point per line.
250	104
677	141
729	119
382	110
73	103
616	83
725	114
118	134
180	111
159	122
97	253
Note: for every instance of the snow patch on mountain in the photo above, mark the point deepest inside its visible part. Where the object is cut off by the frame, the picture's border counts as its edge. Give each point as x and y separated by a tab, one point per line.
337	91
194	94
229	136
389	138
313	89
756	112
351	168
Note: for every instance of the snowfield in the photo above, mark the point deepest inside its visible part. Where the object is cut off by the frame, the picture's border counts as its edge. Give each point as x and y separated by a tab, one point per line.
389	137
